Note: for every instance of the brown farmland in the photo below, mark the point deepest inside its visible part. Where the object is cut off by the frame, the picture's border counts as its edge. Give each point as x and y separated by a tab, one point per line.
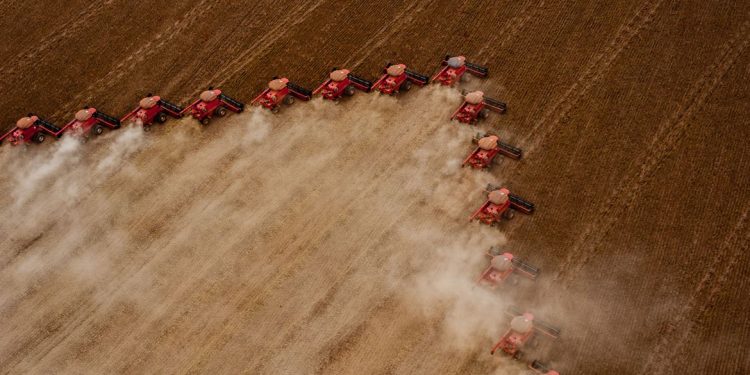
334	238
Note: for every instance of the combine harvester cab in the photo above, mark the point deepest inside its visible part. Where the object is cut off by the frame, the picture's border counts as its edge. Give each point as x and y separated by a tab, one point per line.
499	205
89	121
30	129
397	78
504	265
454	69
523	329
488	147
477	106
281	91
341	82
152	109
212	102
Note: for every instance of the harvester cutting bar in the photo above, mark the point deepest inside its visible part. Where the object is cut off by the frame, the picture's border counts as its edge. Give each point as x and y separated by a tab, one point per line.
170	108
477	70
546	328
232	104
360	83
50	127
495	105
299	91
419	79
520	204
525	268
107	120
510	151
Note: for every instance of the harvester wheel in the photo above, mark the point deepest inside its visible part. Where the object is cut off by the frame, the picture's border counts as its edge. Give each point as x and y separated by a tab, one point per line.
508	214
275	109
465	77
161	117
146	128
97	129
406	86
484	113
205	121
221	111
349	91
288	100
38	138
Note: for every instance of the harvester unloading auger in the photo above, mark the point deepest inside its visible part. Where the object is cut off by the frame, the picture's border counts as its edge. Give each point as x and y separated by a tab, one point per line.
454	69
30	128
210	103
152	109
281	91
341	82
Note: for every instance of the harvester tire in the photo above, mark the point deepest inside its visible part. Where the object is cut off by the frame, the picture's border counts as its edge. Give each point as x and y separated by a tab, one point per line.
205	121
161	117
288	100
508	214
465	77
221	111
349	91
38	138
406	86
97	130
146	128
484	113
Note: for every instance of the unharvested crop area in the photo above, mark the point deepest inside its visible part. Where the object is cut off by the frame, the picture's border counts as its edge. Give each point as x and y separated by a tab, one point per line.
334	238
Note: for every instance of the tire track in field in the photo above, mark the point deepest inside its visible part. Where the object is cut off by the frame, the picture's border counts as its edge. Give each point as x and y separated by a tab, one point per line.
386	32
152	47
681	326
509	30
63	31
594	72
667	137
263	44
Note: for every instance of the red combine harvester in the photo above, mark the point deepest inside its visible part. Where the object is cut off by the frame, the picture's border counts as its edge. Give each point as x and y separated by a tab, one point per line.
477	106
504	265
522	331
454	68
152	109
30	129
281	91
488	147
341	82
397	78
500	205
89	121
541	368
210	103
